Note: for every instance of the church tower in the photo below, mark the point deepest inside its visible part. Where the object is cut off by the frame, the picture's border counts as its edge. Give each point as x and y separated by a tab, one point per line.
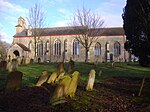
21	25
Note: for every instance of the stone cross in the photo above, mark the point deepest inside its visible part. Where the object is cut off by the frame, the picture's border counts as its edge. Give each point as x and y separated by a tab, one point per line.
13	81
91	80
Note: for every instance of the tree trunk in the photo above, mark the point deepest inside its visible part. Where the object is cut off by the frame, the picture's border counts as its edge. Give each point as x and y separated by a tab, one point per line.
35	49
86	55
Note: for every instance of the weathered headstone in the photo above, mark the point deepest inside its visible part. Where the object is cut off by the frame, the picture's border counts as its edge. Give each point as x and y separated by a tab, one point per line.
70	65
112	64
19	60
73	84
12	65
100	73
61	90
3	64
27	61
52	78
91	80
42	78
23	60
60	76
13	82
60	68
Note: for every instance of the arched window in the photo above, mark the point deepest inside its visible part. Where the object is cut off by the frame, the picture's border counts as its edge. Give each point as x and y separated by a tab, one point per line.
30	45
47	47
65	45
57	47
97	49
76	49
40	49
117	49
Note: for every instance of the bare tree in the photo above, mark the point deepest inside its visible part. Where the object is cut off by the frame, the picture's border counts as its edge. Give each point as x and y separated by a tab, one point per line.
3	49
36	20
90	23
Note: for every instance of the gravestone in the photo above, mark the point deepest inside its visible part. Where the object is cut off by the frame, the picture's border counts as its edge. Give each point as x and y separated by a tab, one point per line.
60	76
3	64
19	60
13	81
42	78
73	84
12	65
52	78
61	90
70	65
60	68
27	61
112	64
100	73
91	80
23	60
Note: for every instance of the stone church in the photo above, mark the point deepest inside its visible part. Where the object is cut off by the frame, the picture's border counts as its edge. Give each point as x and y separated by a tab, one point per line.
59	44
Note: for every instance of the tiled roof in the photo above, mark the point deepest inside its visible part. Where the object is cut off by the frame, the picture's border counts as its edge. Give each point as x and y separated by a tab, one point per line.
72	31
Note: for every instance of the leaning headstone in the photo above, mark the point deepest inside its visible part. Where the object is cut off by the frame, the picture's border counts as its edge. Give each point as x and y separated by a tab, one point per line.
91	80
61	90
13	82
12	65
42	78
73	84
52	78
60	76
60	68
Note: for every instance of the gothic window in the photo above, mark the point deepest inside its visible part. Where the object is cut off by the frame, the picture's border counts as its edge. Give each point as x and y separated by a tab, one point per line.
117	49
40	49
65	45
57	47
97	49
47	47
76	49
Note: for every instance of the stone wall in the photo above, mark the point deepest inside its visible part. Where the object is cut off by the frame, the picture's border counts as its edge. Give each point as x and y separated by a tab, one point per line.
49	55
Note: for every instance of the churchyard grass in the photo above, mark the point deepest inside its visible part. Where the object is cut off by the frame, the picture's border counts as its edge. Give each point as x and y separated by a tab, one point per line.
32	71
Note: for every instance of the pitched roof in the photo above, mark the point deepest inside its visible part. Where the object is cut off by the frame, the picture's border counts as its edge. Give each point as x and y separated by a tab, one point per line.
72	31
23	47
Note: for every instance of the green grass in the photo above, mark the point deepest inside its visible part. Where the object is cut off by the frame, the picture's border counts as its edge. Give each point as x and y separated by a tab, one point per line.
31	72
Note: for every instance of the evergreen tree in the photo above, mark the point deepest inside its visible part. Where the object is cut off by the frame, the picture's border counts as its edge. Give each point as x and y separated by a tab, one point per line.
136	17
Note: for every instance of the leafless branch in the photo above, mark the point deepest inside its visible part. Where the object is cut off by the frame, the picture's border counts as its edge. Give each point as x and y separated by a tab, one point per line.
89	25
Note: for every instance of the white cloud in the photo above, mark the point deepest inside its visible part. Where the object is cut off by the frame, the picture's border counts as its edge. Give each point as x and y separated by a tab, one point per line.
5	37
111	12
7	6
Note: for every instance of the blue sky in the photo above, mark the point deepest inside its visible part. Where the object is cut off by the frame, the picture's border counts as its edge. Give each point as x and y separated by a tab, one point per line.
57	12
